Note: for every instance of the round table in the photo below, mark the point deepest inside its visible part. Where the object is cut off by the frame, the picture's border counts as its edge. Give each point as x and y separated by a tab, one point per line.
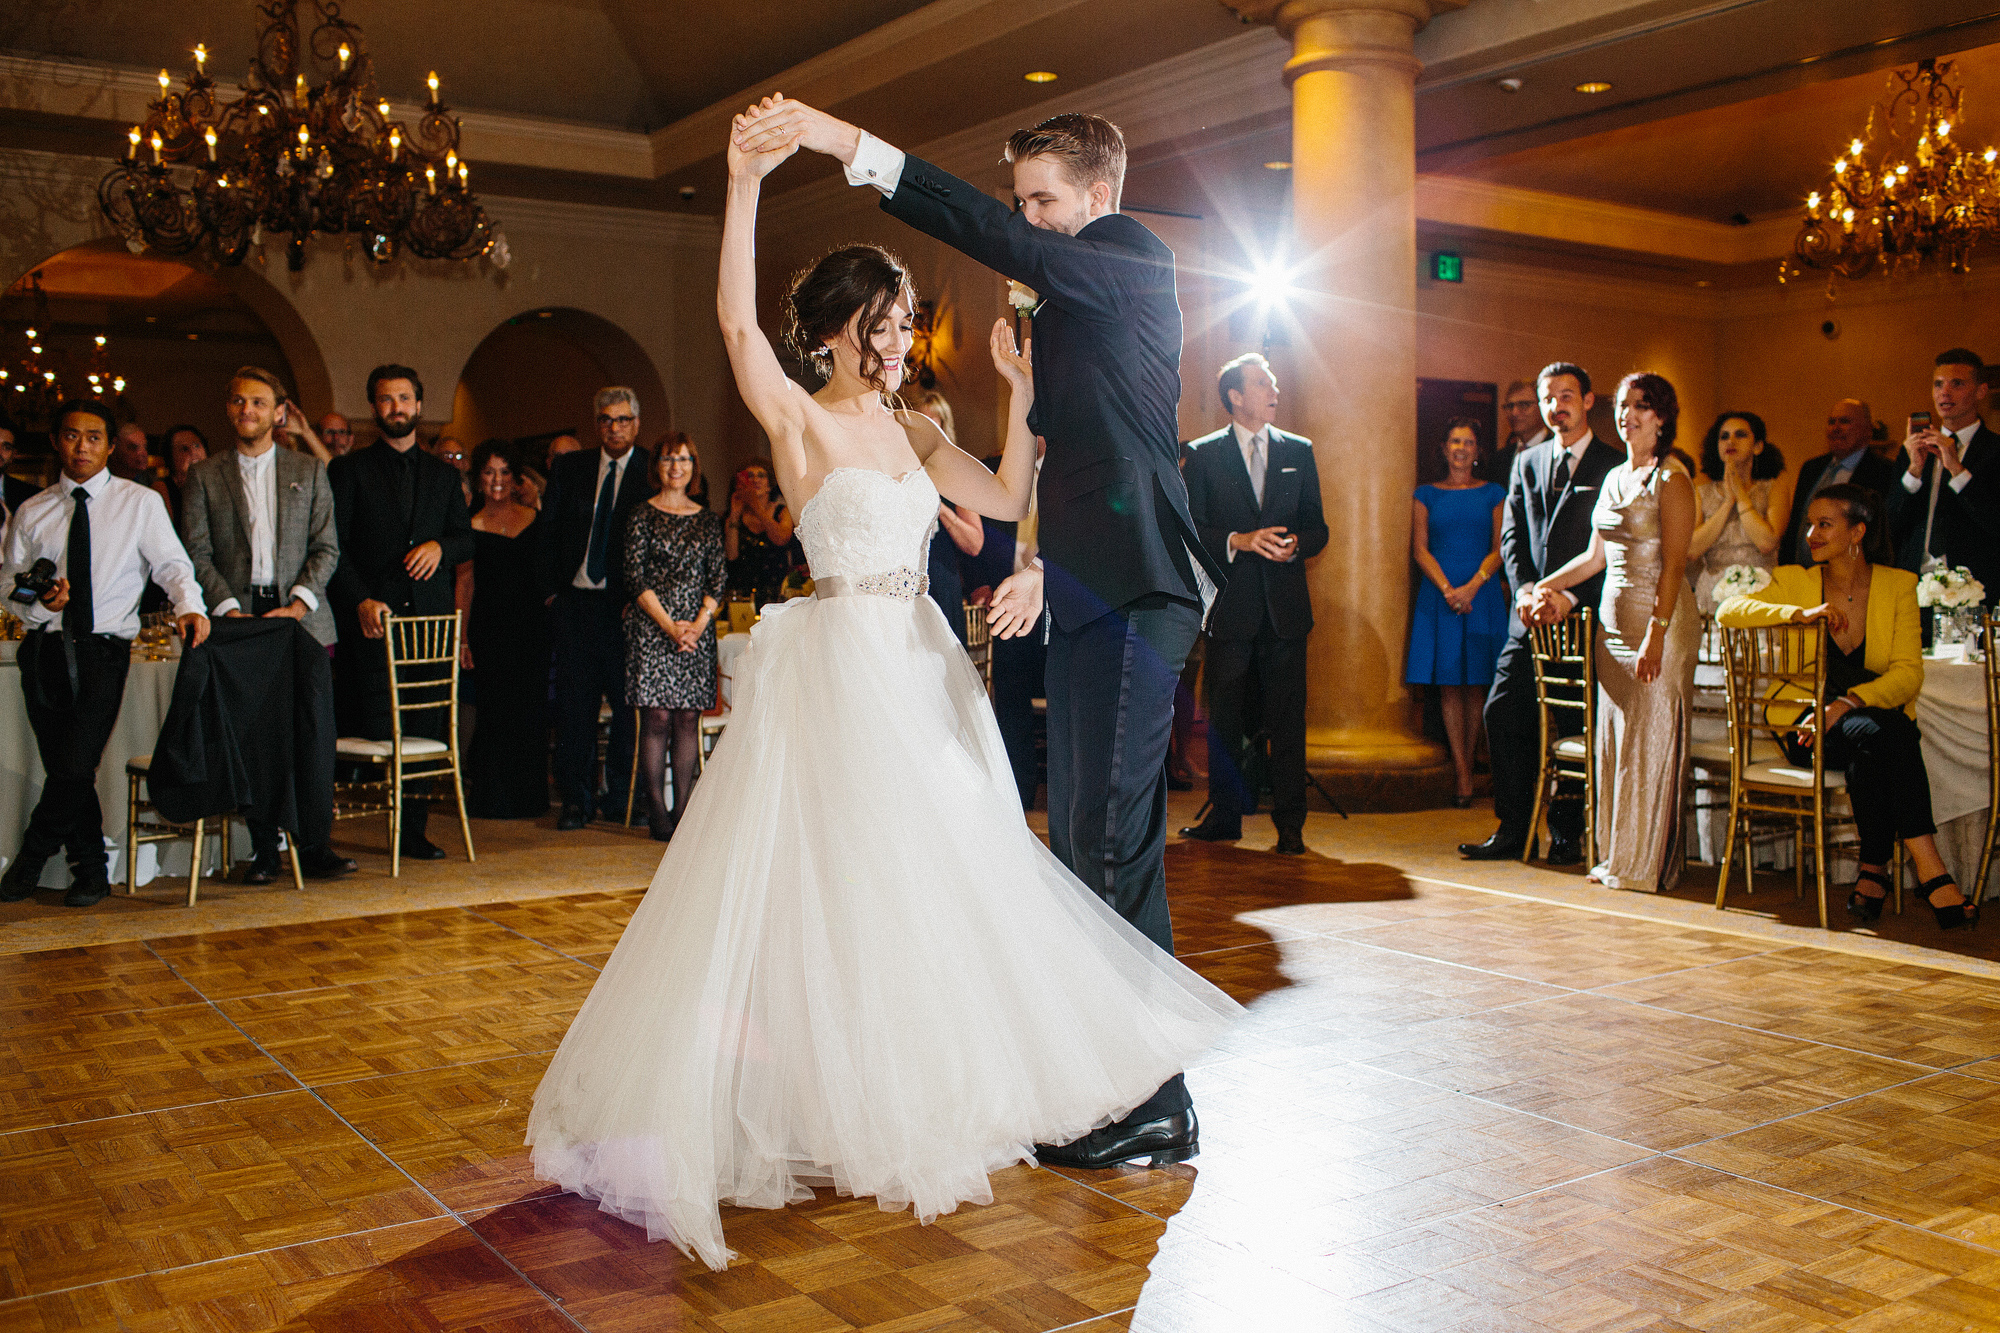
149	688
1951	713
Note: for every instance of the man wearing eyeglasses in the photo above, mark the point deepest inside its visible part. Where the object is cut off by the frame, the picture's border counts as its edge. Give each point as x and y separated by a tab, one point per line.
591	492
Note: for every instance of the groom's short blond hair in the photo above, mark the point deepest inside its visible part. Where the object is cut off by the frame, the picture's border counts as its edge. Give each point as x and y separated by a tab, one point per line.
1090	149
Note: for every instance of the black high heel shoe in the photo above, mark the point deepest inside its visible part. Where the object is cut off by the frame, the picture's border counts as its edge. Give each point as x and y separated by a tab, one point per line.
1958	915
1862	907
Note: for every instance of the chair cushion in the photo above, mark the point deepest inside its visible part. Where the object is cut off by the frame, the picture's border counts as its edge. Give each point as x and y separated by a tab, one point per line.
1779	773
715	720
139	763
1571	747
356	748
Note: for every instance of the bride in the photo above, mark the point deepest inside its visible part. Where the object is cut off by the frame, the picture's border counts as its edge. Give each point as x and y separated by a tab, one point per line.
856	965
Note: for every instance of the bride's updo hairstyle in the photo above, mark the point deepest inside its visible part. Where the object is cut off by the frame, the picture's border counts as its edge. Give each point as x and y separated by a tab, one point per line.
825	297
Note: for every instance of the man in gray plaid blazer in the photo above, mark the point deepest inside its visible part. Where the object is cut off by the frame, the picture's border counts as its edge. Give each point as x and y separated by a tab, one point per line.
258	524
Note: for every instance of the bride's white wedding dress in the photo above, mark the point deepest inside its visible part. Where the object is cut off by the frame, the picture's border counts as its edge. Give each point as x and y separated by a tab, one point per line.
856	966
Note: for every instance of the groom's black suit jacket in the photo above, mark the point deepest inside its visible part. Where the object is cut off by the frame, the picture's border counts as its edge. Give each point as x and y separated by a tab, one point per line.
1114	524
1540	532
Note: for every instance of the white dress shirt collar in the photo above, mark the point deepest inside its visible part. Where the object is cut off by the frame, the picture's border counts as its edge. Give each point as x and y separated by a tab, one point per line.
92	488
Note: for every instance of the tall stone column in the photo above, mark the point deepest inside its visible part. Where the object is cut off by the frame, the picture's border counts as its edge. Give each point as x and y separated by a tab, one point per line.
1352	386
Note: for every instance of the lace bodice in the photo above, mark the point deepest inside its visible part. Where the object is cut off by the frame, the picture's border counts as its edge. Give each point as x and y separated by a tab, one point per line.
862	522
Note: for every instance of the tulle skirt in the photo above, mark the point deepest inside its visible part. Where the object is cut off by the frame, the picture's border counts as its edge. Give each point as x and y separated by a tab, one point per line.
856	966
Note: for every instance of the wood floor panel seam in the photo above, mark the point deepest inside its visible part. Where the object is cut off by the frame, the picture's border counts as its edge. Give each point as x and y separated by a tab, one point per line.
412	976
532	939
1788	1036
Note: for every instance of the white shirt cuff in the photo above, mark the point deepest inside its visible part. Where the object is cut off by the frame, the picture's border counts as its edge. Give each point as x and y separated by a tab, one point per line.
1959	482
877	164
1912	484
225	607
304	594
1229	552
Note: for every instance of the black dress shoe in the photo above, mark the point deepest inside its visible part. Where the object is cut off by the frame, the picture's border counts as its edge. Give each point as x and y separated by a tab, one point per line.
1161	1142
21	880
1502	846
571	819
327	864
1213	830
1564	851
87	893
421	849
261	872
1290	844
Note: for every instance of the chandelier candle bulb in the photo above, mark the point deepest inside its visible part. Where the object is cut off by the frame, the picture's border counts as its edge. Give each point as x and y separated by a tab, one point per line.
164	81
383	107
346	54
134	137
200	58
433	81
395	143
156	150
431	178
464	177
208	137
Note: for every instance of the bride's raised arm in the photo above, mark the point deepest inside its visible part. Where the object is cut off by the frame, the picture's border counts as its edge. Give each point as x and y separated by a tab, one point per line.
774	398
1004	495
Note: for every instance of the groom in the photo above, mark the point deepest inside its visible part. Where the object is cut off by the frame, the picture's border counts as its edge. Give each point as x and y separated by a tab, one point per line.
1122	568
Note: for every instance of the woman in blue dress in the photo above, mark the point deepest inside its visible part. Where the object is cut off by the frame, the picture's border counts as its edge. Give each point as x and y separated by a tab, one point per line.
1460	623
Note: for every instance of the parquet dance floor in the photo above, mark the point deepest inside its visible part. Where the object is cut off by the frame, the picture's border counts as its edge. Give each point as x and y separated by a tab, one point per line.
1447	1110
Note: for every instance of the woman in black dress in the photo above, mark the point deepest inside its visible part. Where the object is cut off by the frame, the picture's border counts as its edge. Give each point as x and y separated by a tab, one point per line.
675	576
757	535
507	642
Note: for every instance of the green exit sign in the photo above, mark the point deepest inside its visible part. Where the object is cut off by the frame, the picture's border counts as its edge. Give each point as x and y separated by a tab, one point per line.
1447	267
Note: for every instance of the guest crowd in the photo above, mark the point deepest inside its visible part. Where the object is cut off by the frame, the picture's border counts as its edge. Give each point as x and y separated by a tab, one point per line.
1641	533
590	580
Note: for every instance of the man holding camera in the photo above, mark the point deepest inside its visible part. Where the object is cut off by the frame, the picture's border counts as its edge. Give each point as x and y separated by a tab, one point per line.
78	556
1946	512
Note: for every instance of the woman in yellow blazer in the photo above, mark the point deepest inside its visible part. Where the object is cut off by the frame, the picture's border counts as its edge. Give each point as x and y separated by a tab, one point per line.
1872	679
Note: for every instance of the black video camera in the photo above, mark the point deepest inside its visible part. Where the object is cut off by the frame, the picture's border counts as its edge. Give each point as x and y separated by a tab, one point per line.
33	584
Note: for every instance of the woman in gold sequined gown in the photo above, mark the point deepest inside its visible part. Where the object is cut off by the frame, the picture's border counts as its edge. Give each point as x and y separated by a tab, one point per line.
1649	631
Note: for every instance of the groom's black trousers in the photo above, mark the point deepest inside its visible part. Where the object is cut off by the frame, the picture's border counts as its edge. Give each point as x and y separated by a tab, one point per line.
1111	689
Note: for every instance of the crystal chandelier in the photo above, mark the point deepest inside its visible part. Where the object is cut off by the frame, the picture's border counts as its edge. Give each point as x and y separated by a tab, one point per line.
36	379
288	157
1923	197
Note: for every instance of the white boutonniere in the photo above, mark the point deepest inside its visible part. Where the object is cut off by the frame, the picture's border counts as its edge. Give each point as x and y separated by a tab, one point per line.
1022	297
295	486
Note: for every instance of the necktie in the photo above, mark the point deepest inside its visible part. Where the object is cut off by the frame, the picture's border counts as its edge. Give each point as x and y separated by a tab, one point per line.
1257	468
1560	482
1936	479
79	615
600	526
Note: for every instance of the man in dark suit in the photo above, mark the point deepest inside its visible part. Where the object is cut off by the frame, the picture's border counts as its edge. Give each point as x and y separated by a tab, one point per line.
1254	493
1945	511
1121	564
591	492
1550	495
1849	431
259	527
403	529
13	491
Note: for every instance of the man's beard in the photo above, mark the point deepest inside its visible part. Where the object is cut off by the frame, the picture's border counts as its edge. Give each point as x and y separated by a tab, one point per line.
394	431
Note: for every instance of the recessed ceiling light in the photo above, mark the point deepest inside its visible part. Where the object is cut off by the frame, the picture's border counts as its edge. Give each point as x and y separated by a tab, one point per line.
1039	76
1277	166
1509	85
1593	87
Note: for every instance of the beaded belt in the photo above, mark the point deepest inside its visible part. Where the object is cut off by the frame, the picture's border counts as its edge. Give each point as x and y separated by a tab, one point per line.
904	584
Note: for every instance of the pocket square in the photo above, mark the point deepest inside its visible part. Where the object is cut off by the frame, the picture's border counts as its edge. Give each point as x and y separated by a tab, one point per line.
1288	469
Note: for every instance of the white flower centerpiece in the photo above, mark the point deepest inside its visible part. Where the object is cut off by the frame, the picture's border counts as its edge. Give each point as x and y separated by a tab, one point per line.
1955	596
1740	581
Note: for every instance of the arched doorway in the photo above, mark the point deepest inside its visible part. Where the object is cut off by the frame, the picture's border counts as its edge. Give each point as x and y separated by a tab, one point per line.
174	331
535	374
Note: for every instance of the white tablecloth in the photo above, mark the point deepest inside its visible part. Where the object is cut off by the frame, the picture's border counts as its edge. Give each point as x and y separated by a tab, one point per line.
1951	712
728	650
149	688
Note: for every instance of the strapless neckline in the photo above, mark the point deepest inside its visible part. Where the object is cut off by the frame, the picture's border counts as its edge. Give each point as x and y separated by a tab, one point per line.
892	478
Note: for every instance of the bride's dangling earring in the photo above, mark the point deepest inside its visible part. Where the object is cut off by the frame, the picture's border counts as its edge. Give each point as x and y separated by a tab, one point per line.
822	361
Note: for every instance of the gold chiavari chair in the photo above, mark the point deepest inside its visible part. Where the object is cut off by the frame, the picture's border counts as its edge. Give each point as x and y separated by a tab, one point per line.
139	832
1992	642
1565	686
1777	688
423	677
979	644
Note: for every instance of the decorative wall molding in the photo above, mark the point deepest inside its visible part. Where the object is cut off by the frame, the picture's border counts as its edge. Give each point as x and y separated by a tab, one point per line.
1484	206
683	233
